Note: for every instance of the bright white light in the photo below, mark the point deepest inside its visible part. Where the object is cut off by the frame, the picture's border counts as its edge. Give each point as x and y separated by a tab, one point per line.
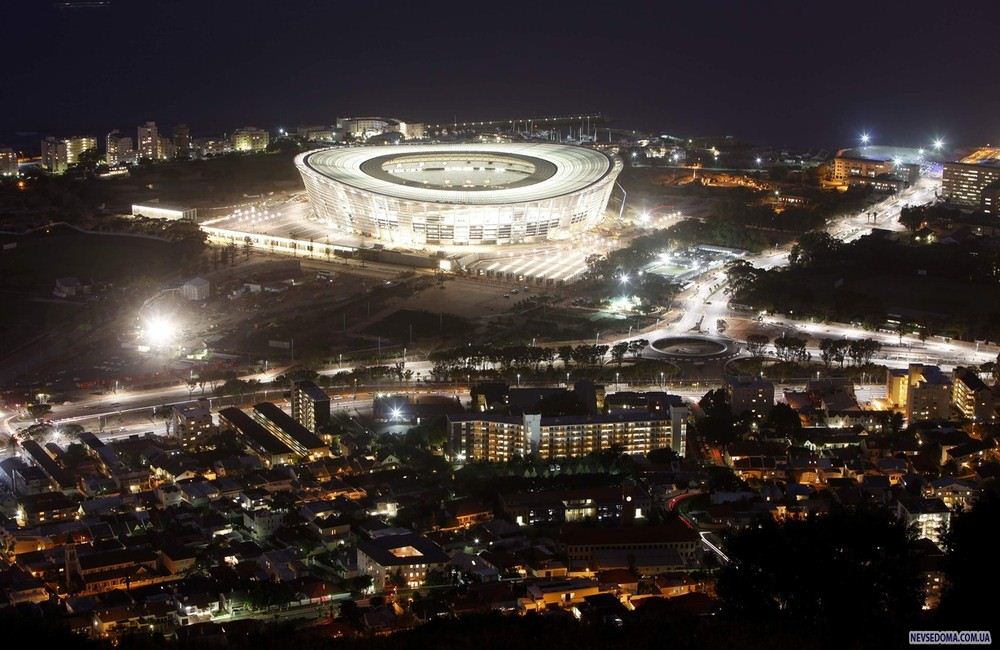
396	413
865	138
938	143
159	331
644	218
897	161
624	278
758	160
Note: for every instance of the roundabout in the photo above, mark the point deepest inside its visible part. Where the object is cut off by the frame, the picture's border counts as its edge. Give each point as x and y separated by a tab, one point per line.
692	349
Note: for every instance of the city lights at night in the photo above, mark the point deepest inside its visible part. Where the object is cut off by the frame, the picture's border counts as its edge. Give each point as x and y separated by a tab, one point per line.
364	326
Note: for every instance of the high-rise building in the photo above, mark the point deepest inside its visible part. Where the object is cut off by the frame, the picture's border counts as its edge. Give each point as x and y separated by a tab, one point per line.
118	149
972	397
751	394
59	154
310	406
54	155
191	422
8	162
182	141
250	139
972	181
76	146
148	142
921	392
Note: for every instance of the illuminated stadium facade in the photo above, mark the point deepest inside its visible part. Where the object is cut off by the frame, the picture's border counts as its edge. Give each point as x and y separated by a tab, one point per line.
459	194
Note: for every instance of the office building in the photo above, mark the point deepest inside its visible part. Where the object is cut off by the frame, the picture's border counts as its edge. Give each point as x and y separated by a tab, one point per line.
920	392
118	149
250	139
972	397
971	182
279	424
500	438
880	168
8	162
310	406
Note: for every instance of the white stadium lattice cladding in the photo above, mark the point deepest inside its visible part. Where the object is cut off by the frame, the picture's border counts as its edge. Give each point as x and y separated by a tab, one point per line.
459	194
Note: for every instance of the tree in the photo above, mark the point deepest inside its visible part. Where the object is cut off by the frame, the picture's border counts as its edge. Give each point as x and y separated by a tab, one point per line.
814	247
38	411
970	565
717	425
566	354
618	351
636	347
784	421
823	571
756	344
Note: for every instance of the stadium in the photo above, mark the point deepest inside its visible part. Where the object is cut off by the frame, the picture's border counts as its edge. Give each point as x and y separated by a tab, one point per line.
459	194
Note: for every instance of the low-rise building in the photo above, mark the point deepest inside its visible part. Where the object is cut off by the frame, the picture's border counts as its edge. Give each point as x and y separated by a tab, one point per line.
605	505
250	139
499	438
404	559
258	440
300	440
582	543
927	518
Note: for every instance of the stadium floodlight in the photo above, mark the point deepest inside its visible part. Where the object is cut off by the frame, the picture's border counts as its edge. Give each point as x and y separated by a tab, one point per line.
938	143
865	138
159	331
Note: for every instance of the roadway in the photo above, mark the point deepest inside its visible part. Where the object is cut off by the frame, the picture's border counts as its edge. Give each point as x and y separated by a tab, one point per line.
706	300
701	305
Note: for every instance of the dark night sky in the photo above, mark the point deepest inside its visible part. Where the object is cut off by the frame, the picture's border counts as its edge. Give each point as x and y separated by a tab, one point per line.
796	72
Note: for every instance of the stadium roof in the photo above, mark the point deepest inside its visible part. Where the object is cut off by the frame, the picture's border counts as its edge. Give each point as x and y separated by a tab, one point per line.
556	170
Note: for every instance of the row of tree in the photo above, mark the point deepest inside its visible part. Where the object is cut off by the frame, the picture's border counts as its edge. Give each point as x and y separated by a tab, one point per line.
793	349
